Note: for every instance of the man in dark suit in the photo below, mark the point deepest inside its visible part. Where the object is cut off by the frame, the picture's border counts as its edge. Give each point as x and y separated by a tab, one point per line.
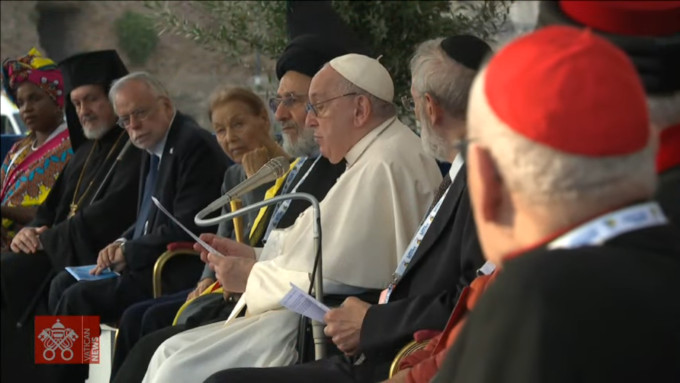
444	254
183	169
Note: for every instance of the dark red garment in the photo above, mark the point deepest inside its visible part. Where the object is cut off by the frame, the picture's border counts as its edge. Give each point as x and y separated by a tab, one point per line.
424	363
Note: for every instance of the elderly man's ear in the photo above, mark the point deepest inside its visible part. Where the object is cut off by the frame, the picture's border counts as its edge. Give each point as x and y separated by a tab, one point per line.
489	185
434	112
362	111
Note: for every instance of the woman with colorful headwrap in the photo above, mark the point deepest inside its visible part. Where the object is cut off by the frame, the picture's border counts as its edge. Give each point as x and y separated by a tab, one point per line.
34	84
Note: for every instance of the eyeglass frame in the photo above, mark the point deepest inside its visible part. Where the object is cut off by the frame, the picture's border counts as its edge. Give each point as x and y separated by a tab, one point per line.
288	100
139	115
309	107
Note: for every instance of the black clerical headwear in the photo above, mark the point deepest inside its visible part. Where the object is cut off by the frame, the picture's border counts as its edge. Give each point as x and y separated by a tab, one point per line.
466	49
306	54
317	35
91	68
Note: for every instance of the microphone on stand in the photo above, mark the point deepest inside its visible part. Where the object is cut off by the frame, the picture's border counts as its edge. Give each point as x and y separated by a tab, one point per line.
316	275
275	168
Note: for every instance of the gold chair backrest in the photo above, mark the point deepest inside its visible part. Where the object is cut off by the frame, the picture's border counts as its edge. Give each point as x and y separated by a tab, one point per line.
407	350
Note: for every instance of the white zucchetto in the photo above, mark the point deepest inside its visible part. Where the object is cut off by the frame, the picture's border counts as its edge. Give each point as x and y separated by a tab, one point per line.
367	73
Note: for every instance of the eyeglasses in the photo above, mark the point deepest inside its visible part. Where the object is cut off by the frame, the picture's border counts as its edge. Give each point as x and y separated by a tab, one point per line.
289	100
408	103
312	107
139	115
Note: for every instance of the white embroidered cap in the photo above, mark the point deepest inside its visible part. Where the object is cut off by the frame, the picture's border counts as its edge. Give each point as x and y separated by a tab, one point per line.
367	73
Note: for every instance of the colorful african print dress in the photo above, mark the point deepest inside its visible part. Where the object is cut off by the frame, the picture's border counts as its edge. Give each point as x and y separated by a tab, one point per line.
27	175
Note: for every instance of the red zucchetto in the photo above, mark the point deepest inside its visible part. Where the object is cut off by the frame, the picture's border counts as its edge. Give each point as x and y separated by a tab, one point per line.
571	90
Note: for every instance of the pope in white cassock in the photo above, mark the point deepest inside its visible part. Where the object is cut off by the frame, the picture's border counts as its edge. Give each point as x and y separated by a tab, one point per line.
368	219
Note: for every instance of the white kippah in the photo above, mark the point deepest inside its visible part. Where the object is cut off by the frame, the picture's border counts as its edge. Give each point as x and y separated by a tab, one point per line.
366	73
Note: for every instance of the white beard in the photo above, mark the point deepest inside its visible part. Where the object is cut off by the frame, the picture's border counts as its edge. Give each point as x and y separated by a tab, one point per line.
97	132
434	145
304	146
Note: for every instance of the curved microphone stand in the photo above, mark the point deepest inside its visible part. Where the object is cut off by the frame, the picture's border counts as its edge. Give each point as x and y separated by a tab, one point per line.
316	276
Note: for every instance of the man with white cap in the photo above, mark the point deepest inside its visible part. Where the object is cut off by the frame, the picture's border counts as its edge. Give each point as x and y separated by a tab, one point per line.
561	175
443	255
367	217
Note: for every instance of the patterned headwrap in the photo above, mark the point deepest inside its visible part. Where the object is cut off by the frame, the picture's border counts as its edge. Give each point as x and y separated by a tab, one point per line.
39	70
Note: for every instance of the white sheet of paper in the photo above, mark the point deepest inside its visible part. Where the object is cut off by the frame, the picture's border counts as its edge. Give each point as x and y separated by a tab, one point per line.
194	236
298	301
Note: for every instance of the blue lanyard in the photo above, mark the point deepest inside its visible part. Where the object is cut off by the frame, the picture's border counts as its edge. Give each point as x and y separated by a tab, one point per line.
282	207
413	246
601	229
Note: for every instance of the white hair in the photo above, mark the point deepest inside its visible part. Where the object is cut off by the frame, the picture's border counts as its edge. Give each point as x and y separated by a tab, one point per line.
543	175
664	110
446	80
157	87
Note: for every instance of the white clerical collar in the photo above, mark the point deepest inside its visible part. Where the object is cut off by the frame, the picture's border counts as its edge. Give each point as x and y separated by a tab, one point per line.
455	166
160	146
360	147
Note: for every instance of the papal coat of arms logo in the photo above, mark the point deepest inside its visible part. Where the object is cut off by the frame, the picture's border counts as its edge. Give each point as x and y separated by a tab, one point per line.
58	337
67	339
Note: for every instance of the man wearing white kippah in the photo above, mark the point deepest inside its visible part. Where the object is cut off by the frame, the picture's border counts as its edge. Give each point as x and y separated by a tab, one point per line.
368	219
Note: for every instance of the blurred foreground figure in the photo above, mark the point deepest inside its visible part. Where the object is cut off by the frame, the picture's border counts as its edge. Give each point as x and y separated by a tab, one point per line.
561	176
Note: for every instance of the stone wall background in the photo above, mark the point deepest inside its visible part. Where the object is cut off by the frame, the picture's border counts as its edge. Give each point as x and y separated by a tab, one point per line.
62	28
190	72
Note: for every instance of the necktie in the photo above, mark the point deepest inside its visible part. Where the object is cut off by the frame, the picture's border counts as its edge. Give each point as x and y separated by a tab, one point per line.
149	186
443	186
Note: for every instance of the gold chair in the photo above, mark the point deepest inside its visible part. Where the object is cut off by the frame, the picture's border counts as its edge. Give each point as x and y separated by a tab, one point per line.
407	350
175	249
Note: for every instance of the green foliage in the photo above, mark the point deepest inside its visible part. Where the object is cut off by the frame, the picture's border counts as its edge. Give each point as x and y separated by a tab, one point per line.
392	28
395	28
136	36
